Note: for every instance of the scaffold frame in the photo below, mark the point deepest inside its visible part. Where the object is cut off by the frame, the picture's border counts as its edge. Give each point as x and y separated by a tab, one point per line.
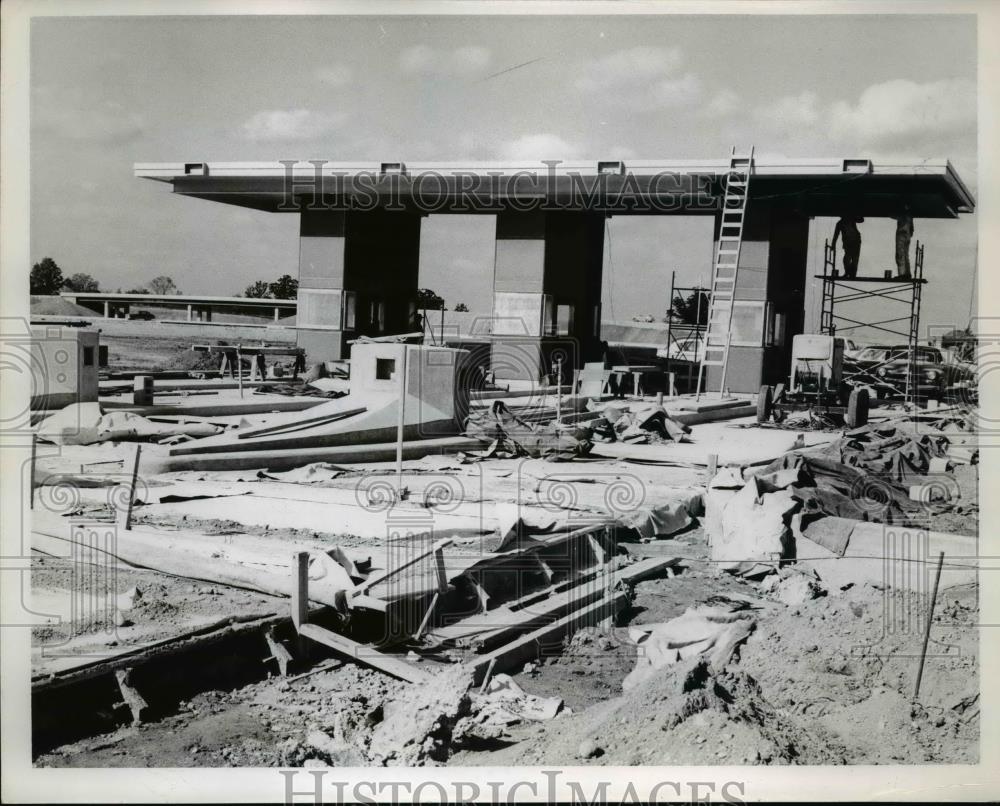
839	289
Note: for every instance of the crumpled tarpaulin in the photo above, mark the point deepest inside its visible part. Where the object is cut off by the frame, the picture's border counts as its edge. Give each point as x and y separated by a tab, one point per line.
865	475
511	437
647	423
86	424
715	630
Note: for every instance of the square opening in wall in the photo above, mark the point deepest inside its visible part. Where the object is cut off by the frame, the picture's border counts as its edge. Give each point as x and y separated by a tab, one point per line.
385	369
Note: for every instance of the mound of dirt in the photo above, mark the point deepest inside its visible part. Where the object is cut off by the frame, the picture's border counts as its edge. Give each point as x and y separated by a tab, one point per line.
848	663
688	714
57	306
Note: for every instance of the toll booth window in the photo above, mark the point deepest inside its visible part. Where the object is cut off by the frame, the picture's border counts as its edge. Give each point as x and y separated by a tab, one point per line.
564	320
320	308
517	314
747	324
385	368
88	356
350	313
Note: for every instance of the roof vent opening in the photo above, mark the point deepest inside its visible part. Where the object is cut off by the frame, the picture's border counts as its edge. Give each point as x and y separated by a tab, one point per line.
616	167
857	166
195	169
393	168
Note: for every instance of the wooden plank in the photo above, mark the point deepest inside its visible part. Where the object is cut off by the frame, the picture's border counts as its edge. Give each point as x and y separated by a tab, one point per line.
134	658
369	583
361	653
505	622
535	643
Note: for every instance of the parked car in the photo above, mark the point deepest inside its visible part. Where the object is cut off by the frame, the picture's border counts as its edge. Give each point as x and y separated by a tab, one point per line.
144	316
884	368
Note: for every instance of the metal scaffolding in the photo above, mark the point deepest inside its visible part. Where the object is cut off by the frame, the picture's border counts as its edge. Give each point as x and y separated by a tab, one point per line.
685	341
904	292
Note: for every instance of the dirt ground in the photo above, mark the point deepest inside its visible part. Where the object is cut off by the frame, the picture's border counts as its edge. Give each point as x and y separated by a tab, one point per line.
825	682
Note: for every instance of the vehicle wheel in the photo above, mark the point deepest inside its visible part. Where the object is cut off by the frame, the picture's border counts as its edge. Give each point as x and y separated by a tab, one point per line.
764	400
857	409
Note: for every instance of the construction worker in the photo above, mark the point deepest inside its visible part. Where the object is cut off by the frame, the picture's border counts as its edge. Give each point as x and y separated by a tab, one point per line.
847	228
904	234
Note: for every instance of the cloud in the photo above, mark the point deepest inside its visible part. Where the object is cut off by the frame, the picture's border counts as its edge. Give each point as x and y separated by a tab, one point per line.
640	77
793	110
102	122
905	112
899	119
629	67
336	75
723	103
537	147
424	60
289	125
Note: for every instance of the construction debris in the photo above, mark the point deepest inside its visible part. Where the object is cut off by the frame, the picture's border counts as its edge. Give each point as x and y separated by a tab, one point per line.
87	424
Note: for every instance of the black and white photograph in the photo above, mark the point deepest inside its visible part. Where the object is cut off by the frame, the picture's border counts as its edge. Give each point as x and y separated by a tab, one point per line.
593	395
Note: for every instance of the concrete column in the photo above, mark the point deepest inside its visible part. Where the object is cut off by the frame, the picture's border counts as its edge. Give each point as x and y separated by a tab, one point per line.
352	266
189	312
276	317
107	309
769	299
208	314
546	292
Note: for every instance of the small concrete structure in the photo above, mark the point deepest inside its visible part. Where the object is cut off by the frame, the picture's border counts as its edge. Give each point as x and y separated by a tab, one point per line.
64	366
430	383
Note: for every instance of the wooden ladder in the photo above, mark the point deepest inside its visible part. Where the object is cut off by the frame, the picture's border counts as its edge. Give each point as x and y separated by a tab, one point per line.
718	332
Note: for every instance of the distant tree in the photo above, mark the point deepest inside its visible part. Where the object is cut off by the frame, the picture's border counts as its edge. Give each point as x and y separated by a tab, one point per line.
163	285
137	291
693	309
285	287
46	277
258	290
428	299
81	282
461	308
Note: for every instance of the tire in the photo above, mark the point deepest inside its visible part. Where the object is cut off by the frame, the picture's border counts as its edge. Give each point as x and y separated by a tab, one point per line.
857	409
764	400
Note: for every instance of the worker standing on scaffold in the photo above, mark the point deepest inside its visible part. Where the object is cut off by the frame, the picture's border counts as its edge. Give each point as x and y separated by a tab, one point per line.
904	234
847	228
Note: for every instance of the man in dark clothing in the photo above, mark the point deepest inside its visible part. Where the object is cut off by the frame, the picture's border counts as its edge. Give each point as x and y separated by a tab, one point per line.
904	234
847	229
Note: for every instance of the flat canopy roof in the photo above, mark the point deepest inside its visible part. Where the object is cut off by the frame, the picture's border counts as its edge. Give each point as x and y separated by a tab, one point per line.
819	187
179	300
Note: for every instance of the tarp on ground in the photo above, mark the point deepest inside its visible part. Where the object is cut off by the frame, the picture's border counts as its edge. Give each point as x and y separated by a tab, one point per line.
865	475
86	424
711	630
510	437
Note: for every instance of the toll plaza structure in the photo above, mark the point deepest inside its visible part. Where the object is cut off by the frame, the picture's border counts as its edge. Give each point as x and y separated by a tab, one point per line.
359	244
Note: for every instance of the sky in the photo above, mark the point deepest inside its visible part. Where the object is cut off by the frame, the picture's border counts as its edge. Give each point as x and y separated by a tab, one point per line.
109	92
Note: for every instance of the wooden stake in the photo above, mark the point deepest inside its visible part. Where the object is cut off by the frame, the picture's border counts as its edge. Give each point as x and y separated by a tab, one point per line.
927	629
239	367
399	426
300	599
300	590
427	616
34	455
131	489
